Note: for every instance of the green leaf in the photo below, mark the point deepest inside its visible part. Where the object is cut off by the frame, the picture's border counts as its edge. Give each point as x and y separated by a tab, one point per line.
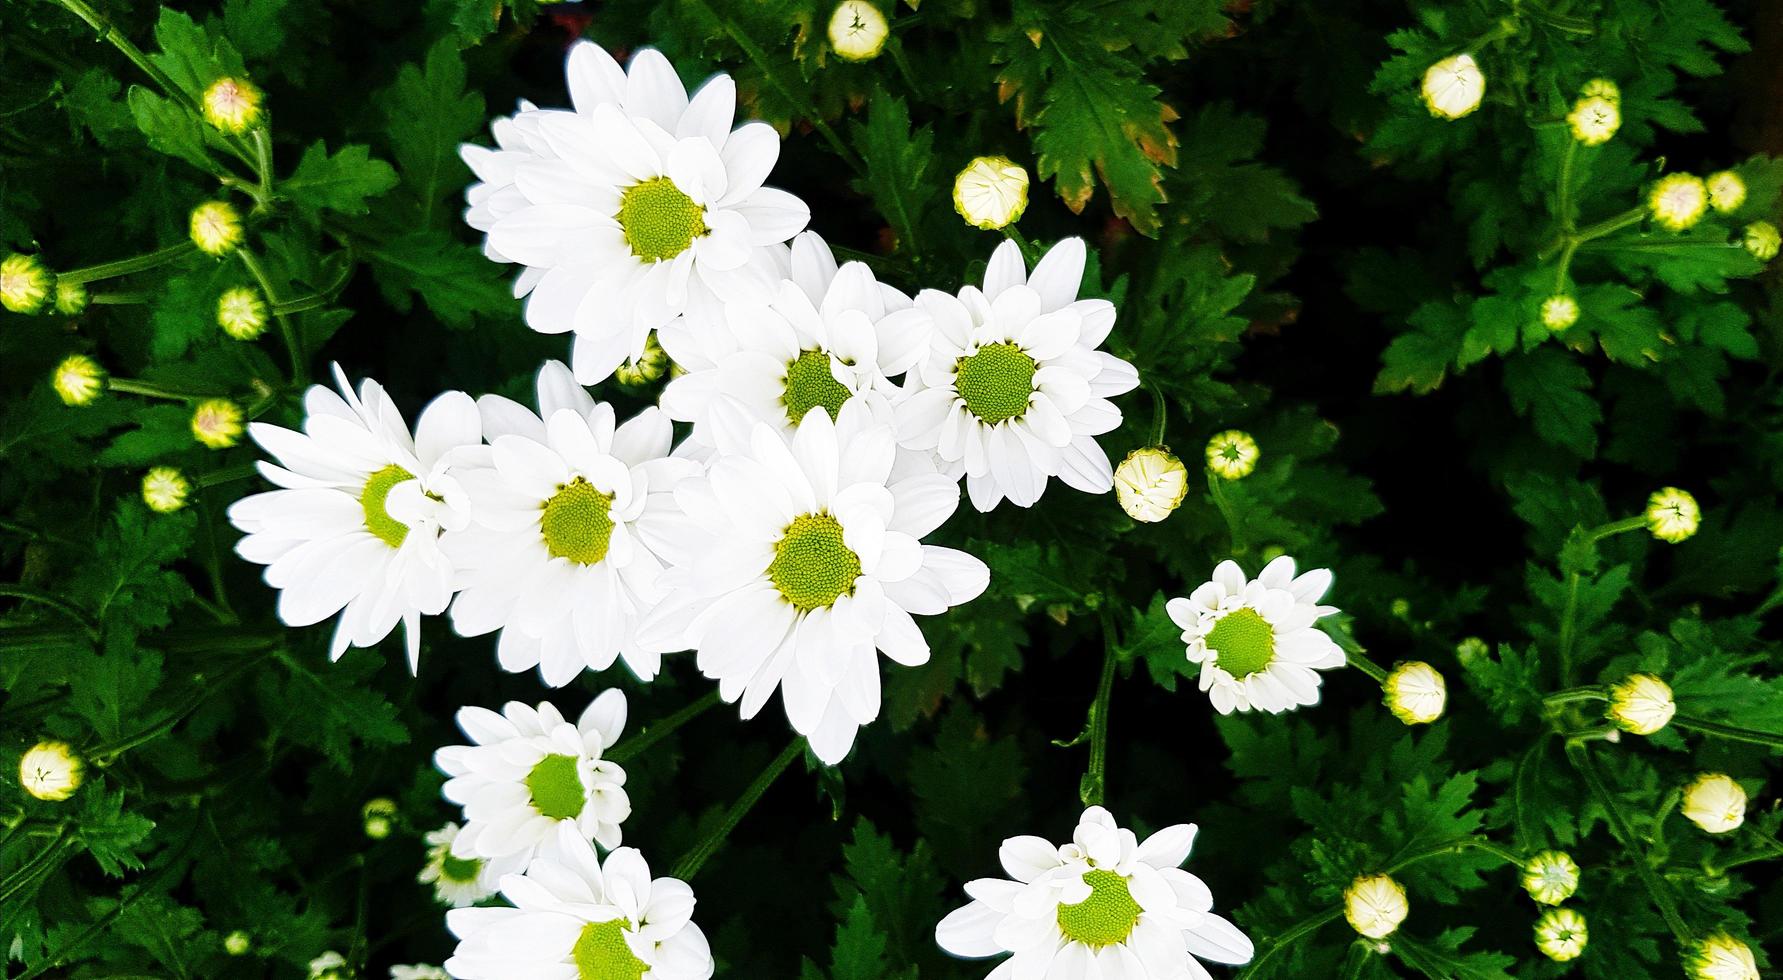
455	280
111	835
1154	638
170	128
190	56
341	182
1419	359
898	159
427	113
859	953
1551	390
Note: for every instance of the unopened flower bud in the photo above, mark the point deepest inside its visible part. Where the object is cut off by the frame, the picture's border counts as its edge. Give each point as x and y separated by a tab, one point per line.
1678	201
1726	191
644	369
1714	802
1720	957
1559	312
1672	514
78	380
216	228
1232	454
1641	704
380	817
241	312
1560	934
165	489
991	192
232	105
1453	87
217	423
858	30
237	943
331	965
1551	877
1415	693
1762	240
1602	88
24	283
50	771
71	298
1375	905
1594	120
1150	484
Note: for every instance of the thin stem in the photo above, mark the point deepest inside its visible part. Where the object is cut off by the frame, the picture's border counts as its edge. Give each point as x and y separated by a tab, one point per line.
126	298
1030	255
1563	193
299	369
28	594
633	747
1568	627
133	386
1160	412
1299	930
1095	781
1636	523
693	860
263	163
217	478
1579	753
105	755
124	267
1576	694
1632	216
1369	667
1216	488
39	865
112	35
1731	732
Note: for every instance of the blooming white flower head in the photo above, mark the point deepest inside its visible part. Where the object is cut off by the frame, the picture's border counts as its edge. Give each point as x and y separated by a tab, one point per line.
1453	87
634	208
1602	88
232	105
645	368
1104	905
579	918
330	966
1720	957
1255	639
829	337
858	30
1727	191
1559	312
71	297
460	881
1641	703
561	552
418	971
241	312
165	489
1560	934
1762	240
1678	201
1415	693
24	283
217	423
1551	877
991	192
1150	483
237	943
354	528
1672	514
50	771
1375	905
1233	454
1594	119
1013	391
530	771
800	557
216	228
78	380
1714	802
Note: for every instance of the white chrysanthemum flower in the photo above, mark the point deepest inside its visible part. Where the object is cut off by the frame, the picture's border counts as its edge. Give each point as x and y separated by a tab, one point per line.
1672	514
1721	957
50	771
1551	877
1559	311
1233	454
24	283
798	558
1678	201
858	30
1150	483
78	380
1594	119
1561	934
1453	87
829	336
1013	391
1375	905
460	881
991	192
355	527
1727	191
578	918
1415	693
636	207
558	555
1762	240
418	971
1641	703
1105	905
1255	639
1714	802
530	771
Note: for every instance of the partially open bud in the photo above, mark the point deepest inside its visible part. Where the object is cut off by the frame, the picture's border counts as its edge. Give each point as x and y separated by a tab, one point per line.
241	312
1415	693
1375	905
1232	454
1720	957
1150	484
1560	934
991	192
1641	703
1726	191
1678	201
1551	877
24	283
1672	514
217	423
1594	120
50	771
380	817
1453	87
331	965
1714	802
644	369
858	30
165	489
1762	240
232	105
78	380
216	228
1559	312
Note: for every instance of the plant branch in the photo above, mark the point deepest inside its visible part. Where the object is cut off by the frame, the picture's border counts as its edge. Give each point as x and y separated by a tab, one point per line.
693	860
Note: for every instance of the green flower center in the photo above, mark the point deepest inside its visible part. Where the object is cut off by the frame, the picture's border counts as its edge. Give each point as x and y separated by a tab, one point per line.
556	788
578	523
809	384
995	383
1243	641
812	566
1106	917
658	220
377	519
459	870
601	953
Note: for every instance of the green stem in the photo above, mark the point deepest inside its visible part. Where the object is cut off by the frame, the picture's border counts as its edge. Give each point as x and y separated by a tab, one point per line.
40	864
263	164
631	748
1215	487
1568	628
1730	732
1563	193
1636	523
1576	694
1094	788
116	39
1632	216
1160	412
299	369
217	478
137	298
1299	930
132	386
1030	255
124	267
1579	753
693	860
28	594
105	755
1369	667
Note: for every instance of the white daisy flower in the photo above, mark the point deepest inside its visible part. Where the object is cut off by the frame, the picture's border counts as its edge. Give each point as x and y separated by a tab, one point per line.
1105	905
460	881
355	527
1012	390
530	771
576	917
1255	639
801	556
830	335
558	556
639	205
